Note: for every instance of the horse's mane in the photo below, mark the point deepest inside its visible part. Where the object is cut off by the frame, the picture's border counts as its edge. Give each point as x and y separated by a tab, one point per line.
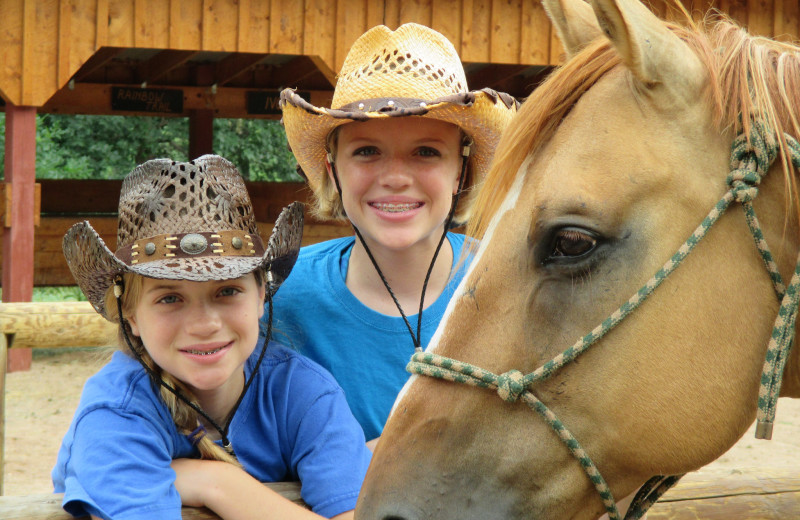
748	75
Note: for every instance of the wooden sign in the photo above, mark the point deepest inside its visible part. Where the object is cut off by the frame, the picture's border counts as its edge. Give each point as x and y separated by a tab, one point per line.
147	100
268	103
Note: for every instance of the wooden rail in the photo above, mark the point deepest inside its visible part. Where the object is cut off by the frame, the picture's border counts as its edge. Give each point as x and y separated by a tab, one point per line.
47	325
755	493
751	493
47	506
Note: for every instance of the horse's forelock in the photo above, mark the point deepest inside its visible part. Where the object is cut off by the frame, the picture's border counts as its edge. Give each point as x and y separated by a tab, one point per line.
748	75
536	122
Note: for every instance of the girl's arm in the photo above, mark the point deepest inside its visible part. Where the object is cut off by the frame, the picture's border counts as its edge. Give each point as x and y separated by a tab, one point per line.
233	494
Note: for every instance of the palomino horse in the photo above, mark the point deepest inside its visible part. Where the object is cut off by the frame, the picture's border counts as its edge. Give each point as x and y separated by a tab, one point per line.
608	168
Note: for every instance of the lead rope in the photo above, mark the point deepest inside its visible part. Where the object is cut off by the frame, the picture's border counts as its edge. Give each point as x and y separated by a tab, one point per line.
750	161
415	338
780	343
119	289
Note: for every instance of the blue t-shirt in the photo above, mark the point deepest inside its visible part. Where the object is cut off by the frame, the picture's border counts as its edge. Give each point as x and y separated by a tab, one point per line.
293	424
365	351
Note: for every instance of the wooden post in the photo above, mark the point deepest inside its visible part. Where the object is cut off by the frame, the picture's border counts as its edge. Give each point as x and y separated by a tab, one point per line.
201	120
20	178
201	132
3	361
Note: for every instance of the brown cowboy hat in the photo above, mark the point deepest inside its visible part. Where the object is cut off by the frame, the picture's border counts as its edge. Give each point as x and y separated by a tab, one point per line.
183	221
413	71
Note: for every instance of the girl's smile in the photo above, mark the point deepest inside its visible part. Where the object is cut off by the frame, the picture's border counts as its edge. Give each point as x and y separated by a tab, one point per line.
208	353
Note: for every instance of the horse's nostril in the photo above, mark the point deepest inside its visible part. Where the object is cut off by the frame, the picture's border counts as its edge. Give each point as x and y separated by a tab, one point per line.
393	517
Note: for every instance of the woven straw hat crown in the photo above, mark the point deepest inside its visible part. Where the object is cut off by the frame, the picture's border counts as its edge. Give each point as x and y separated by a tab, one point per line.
182	221
427	62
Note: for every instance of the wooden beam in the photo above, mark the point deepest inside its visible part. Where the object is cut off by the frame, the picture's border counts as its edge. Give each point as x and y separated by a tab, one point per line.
3	364
20	175
324	69
493	75
101	197
294	72
92	196
234	65
763	493
90	98
161	64
201	132
55	325
98	60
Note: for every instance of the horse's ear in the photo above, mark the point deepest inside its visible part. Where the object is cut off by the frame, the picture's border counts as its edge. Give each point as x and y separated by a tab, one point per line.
575	23
654	54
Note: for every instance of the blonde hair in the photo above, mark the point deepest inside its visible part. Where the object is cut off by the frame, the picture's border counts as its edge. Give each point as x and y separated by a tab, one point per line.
327	205
185	417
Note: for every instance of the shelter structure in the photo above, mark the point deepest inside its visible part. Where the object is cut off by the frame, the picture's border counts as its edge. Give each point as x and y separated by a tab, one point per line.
203	59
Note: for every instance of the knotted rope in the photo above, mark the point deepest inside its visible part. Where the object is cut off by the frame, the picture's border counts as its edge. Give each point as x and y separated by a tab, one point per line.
751	157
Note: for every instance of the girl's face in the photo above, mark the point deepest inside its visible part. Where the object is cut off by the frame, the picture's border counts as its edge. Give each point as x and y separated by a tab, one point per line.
200	332
398	177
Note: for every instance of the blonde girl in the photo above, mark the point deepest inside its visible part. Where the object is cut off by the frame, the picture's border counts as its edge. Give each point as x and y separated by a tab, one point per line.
399	155
198	408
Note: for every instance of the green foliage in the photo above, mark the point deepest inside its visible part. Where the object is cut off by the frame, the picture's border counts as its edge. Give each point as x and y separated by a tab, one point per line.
257	147
108	147
56	294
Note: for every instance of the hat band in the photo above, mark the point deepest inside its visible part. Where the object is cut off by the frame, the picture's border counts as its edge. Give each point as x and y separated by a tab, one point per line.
384	104
191	245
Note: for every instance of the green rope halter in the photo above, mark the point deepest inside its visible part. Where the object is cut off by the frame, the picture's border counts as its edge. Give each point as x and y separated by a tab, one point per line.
750	160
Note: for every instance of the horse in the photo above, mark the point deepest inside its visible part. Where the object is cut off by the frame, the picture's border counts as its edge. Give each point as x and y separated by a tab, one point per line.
619	156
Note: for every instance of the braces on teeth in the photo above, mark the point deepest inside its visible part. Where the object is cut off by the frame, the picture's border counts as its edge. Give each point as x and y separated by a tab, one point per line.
204	352
396	208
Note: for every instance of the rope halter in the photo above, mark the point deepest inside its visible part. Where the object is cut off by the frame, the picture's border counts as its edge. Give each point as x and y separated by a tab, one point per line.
751	158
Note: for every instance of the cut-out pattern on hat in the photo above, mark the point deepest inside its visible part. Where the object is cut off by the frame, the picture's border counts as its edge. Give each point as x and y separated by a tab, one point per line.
395	62
174	200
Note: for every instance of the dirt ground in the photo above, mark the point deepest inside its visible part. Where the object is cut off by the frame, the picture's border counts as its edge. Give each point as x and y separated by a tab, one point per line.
40	404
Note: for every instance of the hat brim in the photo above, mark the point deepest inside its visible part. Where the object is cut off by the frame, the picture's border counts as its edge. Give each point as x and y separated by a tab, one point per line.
94	266
481	114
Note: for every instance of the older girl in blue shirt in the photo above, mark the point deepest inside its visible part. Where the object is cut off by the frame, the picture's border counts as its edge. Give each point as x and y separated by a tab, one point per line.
398	155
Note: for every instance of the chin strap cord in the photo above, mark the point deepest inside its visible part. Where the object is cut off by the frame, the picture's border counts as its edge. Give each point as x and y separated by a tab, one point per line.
415	338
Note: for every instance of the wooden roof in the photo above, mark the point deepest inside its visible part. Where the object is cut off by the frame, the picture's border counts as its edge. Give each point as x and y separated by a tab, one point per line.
63	55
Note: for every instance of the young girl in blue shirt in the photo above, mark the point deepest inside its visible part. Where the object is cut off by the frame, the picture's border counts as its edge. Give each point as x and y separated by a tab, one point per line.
399	155
197	409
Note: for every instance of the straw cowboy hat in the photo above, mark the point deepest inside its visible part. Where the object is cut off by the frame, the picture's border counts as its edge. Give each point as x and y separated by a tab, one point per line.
413	71
183	221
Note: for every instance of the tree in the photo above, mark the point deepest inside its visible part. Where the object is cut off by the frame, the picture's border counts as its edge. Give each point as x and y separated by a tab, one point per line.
108	147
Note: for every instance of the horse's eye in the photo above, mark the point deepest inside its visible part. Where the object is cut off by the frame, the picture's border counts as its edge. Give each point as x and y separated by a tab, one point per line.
571	243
